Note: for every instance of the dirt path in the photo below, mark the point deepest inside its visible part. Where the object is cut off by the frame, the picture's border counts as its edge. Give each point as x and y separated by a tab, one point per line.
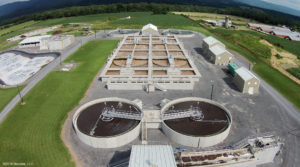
288	60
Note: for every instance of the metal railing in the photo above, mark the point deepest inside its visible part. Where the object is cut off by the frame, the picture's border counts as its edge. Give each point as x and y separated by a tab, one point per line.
113	113
176	114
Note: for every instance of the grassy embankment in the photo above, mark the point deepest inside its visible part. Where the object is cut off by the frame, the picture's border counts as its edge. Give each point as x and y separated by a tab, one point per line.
31	133
7	94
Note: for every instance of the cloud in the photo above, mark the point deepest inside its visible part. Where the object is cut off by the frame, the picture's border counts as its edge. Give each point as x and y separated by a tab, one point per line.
3	2
294	4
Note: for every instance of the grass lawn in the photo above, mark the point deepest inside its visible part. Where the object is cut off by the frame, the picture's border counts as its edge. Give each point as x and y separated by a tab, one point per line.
138	19
247	40
6	95
31	133
215	16
114	20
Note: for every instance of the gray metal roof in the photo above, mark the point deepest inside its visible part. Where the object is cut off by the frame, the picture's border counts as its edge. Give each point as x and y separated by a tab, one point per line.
270	27
278	32
211	40
152	156
35	39
245	74
217	50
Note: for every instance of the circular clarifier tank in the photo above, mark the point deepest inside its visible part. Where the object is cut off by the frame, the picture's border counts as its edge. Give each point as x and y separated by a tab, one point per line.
208	129
99	131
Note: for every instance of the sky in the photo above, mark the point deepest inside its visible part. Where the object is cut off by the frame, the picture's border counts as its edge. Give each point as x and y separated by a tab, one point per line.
294	4
3	2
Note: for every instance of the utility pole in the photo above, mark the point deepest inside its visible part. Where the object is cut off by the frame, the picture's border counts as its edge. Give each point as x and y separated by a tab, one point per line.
60	59
22	100
212	89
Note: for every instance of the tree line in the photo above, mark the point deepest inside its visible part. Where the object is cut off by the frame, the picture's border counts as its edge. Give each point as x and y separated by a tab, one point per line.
264	16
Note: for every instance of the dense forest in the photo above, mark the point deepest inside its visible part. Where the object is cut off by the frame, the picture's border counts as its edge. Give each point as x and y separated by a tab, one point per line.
265	16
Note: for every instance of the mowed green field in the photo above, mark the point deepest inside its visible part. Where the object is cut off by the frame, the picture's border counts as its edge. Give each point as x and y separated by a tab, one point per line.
250	39
6	95
31	133
247	40
115	20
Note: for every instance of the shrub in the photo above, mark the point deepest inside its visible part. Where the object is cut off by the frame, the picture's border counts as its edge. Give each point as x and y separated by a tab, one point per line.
278	56
294	71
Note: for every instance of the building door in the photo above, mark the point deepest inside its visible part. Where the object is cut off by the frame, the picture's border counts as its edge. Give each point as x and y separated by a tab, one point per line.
251	90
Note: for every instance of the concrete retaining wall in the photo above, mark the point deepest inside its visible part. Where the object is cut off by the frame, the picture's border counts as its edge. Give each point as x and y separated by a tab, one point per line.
141	86
110	141
194	141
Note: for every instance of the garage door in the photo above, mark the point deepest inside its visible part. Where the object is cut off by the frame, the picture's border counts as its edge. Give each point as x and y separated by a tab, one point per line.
251	90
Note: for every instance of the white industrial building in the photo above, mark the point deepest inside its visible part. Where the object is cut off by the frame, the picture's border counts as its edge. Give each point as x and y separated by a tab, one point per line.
219	55
211	42
56	42
220	23
32	41
246	81
150	29
152	156
48	42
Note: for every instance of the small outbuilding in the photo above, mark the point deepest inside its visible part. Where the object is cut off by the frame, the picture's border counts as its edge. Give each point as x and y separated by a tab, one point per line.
56	42
246	81
32	41
211	42
219	55
150	29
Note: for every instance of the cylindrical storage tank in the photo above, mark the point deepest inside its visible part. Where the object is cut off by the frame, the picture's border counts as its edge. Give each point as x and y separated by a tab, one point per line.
212	129
97	132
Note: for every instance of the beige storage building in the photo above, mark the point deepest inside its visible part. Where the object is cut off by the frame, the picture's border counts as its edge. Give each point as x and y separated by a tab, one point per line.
210	42
56	42
246	81
150	29
219	55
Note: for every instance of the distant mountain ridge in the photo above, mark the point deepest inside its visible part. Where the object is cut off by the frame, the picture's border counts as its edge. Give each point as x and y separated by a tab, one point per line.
32	6
28	7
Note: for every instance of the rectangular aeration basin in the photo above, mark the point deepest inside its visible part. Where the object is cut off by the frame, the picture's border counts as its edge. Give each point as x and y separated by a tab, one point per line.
187	72
127	46
159	53
182	63
112	72
123	54
158	47
140	53
141	46
140	72
173	47
159	72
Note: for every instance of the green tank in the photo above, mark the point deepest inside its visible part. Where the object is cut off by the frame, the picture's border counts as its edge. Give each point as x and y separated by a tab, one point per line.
232	67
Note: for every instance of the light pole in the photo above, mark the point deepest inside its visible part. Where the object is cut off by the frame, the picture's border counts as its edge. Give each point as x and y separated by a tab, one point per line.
22	100
60	59
212	89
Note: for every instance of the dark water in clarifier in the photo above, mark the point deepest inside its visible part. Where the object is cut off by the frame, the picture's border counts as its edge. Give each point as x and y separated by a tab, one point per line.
197	128
90	115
